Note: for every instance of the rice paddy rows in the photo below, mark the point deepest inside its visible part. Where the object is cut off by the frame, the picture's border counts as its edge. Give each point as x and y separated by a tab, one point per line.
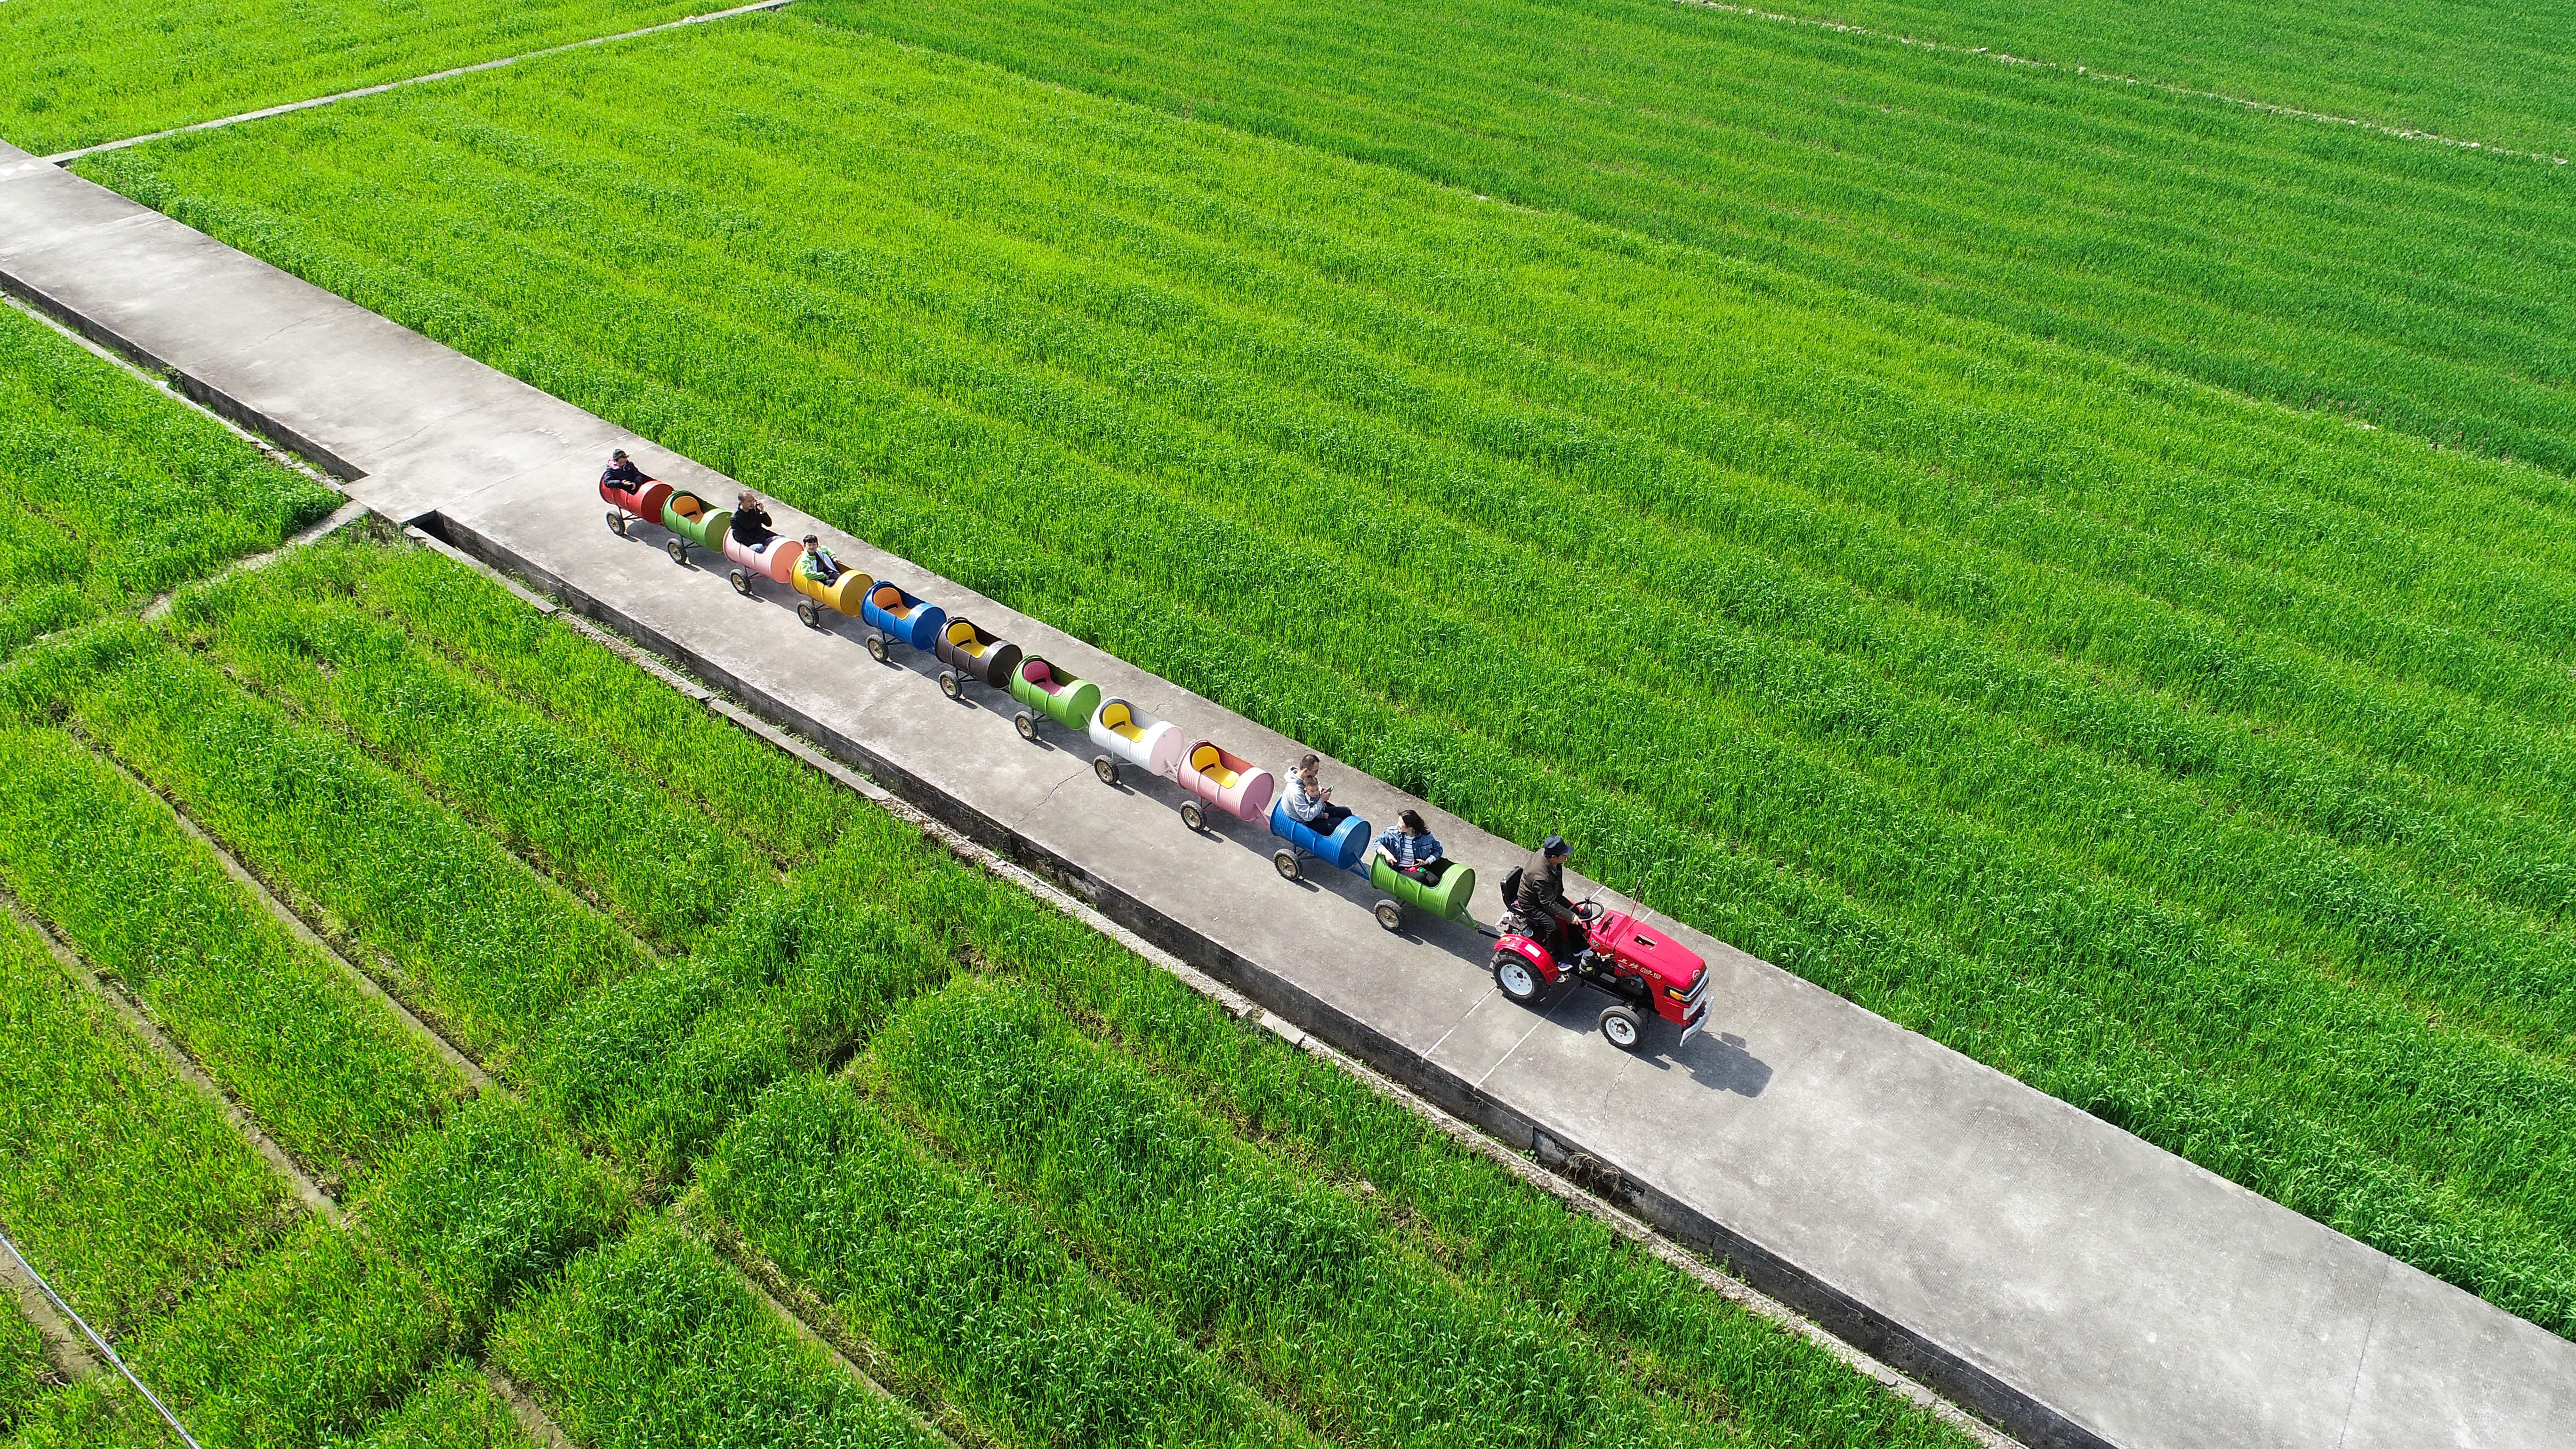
320	719
2196	761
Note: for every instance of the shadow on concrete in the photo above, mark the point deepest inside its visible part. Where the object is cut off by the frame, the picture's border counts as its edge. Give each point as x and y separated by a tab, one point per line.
1719	1060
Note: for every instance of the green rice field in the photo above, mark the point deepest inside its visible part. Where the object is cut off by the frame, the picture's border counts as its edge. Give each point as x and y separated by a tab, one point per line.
2078	568
699	974
1923	587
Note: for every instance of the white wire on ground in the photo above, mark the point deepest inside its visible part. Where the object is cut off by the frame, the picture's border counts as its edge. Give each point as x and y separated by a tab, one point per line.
65	158
2402	133
108	1353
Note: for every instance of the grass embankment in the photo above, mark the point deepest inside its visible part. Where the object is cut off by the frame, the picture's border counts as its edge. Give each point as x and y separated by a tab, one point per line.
2197	762
78	72
109	492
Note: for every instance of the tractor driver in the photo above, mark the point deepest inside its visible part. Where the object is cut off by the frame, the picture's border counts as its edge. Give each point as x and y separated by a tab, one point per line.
817	563
1542	902
750	526
622	473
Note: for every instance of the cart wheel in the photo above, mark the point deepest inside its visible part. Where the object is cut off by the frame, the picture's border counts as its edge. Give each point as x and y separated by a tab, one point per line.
877	649
1192	816
949	686
1619	1027
741	582
808	615
1390	915
617	523
1027	724
678	550
1106	768
1286	860
1514	978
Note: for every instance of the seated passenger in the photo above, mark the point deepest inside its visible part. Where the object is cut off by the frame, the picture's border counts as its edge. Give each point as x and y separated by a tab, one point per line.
750	526
1311	804
622	473
1411	848
817	563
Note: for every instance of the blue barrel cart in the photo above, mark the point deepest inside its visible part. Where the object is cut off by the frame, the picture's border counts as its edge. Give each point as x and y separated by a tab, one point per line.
895	617
1343	848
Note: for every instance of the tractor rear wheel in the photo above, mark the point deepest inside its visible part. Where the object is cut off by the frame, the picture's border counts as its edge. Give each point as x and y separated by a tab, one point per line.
949	686
1390	915
1106	768
877	649
1620	1028
678	549
1192	816
809	614
1515	978
1286	861
1027	724
741	582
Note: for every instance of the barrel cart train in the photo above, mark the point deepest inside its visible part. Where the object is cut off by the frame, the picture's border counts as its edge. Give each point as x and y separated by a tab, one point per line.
1644	970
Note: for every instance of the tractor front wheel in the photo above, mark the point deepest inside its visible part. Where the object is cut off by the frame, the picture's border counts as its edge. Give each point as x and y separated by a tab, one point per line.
1106	768
1620	1028
1514	977
677	549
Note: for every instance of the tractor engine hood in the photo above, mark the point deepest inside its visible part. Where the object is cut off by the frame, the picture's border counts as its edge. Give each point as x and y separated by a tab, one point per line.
1669	961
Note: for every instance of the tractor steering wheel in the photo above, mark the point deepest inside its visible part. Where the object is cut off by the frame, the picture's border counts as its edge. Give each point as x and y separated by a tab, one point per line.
1590	911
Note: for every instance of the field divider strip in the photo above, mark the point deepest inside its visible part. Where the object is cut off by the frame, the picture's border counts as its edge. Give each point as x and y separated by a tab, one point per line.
306	1187
340	517
67	1352
65	158
795	1309
2271	108
475	1076
19	1264
532	1416
1538	1174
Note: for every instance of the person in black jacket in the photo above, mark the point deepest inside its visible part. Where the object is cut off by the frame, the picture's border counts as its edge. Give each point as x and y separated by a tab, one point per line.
1552	918
750	526
622	472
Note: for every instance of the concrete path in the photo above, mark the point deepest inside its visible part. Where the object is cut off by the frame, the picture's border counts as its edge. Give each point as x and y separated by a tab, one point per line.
2048	1271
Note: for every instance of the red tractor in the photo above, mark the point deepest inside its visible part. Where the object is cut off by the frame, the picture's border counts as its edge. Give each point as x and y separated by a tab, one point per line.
1645	969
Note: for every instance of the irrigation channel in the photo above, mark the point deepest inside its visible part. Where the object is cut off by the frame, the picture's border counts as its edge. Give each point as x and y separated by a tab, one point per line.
2040	1267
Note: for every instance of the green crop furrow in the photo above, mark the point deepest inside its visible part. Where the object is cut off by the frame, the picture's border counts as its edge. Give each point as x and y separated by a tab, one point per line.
475	940
746	785
653	1340
546	792
119	1180
1298	1280
271	1021
970	1299
79	72
1259	82
452	1408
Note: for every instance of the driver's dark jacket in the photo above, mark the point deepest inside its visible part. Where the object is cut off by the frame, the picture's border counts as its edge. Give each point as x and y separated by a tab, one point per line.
751	526
1543	891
